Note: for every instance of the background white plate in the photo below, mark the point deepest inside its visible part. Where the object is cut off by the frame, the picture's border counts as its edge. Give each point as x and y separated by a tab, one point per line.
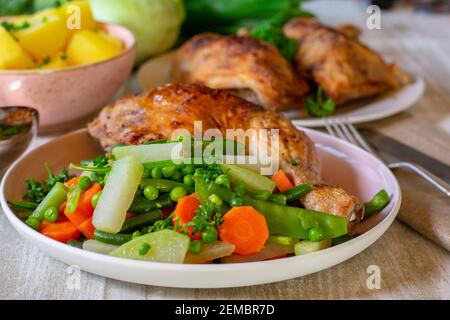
157	71
344	164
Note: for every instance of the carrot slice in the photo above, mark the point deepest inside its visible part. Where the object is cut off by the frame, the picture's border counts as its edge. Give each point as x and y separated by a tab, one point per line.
61	231
185	212
72	182
246	228
84	210
87	228
282	181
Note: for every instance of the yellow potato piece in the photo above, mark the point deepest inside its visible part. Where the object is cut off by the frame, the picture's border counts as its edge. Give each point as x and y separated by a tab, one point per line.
46	35
57	61
88	47
12	55
78	15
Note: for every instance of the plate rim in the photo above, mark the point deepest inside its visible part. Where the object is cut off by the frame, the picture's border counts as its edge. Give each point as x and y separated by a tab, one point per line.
27	233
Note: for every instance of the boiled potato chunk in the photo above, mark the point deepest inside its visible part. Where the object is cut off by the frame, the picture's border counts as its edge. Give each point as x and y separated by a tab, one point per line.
92	46
57	61
78	15
12	55
46	35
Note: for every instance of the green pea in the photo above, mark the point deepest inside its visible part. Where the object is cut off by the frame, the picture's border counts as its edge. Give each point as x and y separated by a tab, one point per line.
209	235
195	247
237	202
177	176
84	182
151	193
177	193
188	169
144	249
33	223
156	173
51	214
188	180
316	234
136	234
95	198
224	181
214	198
167	172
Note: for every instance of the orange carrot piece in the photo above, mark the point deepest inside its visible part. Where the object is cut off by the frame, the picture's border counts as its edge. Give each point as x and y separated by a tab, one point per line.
87	228
84	210
72	182
246	228
61	231
282	181
86	197
185	212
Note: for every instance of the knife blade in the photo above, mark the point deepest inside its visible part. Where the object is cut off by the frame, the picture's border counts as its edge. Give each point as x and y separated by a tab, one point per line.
391	150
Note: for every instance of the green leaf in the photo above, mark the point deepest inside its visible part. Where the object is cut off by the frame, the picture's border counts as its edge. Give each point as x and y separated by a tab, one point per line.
318	108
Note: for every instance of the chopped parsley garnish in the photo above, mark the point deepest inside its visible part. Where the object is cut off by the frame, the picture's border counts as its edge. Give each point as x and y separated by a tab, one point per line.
15	27
294	162
318	107
37	190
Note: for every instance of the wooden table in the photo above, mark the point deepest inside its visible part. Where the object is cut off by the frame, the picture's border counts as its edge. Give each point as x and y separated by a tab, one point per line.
412	267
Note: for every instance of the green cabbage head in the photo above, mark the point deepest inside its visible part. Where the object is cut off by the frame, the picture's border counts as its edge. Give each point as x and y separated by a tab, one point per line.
156	24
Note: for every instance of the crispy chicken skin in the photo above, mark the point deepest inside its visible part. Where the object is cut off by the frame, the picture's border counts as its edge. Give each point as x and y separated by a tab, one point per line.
336	61
335	200
250	68
156	113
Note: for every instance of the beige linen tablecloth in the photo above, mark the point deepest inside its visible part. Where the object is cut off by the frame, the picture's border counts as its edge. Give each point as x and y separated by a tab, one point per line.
411	266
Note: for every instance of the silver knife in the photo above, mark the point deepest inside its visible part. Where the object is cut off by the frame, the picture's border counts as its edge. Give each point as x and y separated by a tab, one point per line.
393	151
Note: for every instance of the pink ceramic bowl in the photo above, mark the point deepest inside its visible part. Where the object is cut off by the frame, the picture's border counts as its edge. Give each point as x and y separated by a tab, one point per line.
63	96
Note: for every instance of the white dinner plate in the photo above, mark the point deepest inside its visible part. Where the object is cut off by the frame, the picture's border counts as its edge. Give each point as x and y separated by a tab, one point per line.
343	164
157	71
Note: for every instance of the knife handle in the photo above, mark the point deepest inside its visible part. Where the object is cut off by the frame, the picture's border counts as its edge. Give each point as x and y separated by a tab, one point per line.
424	173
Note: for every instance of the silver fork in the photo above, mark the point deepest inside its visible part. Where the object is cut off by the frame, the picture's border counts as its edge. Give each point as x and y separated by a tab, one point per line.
343	129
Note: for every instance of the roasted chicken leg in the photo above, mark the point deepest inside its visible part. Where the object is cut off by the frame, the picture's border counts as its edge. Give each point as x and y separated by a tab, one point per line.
249	68
337	62
155	114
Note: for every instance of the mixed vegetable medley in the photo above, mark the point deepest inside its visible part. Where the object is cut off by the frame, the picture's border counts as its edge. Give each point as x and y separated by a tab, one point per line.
137	203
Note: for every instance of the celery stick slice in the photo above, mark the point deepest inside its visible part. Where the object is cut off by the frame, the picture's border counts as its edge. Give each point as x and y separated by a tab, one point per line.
118	194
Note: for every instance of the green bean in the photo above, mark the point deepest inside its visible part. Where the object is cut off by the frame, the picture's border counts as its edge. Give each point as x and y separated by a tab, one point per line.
24	215
378	203
75	244
263	195
142	205
164	185
297	192
342	239
296	222
140	221
24	205
73	197
221	192
110	238
55	198
278	198
201	189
